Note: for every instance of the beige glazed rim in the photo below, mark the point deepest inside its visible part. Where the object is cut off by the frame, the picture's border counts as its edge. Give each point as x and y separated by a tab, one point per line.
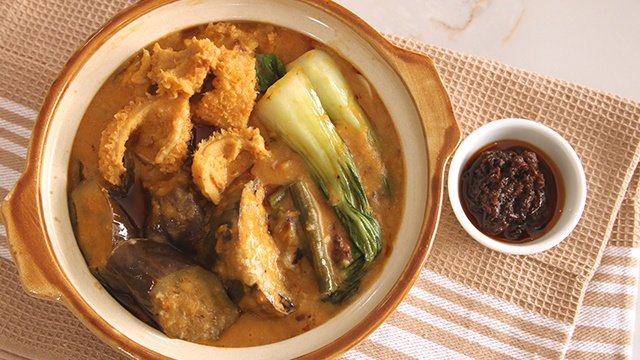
38	227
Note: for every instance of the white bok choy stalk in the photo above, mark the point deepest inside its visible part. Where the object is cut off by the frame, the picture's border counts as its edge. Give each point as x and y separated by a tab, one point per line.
339	101
292	110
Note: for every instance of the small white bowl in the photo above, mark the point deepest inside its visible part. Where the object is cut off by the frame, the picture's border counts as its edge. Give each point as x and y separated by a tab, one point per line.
556	148
36	212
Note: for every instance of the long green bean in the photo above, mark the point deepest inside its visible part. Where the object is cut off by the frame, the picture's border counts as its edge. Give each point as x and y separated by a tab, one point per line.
314	238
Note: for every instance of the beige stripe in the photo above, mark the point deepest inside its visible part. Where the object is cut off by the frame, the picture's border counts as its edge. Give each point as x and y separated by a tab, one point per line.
444	338
482	329
619	301
489	311
11	160
602	335
619	261
15	118
3	193
614	279
583	355
624	240
13	137
5	355
379	351
4	263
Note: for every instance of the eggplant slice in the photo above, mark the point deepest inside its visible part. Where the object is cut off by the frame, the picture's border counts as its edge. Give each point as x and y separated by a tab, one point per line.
181	216
247	253
185	301
100	224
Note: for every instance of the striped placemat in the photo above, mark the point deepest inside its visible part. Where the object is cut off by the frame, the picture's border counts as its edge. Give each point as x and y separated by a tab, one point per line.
574	301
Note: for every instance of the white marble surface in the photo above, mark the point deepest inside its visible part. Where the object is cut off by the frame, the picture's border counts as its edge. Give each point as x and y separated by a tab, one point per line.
590	42
595	43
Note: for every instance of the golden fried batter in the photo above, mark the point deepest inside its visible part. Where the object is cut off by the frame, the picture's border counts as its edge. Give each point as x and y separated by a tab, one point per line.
234	93
164	138
183	72
136	73
232	37
164	141
252	257
223	157
162	123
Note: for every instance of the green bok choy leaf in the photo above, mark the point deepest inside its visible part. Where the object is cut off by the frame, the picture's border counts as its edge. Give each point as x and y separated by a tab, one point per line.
291	109
339	101
269	68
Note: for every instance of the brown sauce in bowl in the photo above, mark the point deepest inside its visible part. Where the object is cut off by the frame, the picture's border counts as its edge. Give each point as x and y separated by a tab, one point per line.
512	191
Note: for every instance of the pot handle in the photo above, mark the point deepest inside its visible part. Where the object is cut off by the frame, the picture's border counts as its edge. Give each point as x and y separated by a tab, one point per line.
433	103
439	124
27	239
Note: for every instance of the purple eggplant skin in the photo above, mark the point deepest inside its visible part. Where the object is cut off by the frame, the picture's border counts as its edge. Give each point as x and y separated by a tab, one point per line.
184	300
128	302
135	266
99	223
181	216
131	195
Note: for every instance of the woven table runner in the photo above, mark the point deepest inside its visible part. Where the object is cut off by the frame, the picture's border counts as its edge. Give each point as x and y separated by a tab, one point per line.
574	301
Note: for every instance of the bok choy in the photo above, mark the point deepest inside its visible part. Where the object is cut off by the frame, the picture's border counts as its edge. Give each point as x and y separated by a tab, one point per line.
291	109
269	68
339	101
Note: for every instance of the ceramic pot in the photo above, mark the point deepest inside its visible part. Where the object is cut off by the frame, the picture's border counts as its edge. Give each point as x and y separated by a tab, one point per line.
36	211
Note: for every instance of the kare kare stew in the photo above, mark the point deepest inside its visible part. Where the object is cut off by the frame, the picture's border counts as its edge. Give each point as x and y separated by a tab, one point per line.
236	184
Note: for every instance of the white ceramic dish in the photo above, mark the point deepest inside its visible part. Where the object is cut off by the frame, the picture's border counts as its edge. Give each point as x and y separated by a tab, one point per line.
552	144
36	212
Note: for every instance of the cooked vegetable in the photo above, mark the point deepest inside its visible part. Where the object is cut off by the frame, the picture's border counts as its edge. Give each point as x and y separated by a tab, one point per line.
314	238
276	198
339	101
286	229
127	300
185	300
292	110
196	225
269	68
131	195
181	216
246	251
99	223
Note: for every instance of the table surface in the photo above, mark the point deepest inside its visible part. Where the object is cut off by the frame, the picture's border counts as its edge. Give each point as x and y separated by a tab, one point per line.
587	42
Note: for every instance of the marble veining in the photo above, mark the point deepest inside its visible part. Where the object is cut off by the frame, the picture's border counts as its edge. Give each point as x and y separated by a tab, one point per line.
566	39
590	42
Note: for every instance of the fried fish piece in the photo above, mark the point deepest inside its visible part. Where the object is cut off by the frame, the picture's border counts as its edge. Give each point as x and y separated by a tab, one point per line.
223	157
247	253
234	92
164	141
